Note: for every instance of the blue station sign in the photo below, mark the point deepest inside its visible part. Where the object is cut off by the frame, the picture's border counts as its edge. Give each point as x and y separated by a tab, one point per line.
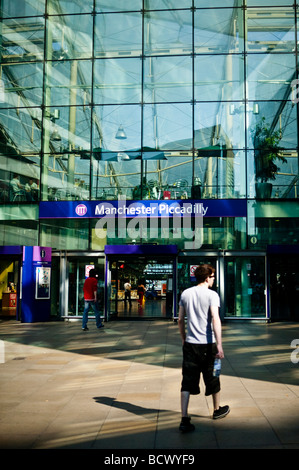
144	208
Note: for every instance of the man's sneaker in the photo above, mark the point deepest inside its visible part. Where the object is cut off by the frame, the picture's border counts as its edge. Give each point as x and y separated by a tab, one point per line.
186	426
101	326
85	329
221	412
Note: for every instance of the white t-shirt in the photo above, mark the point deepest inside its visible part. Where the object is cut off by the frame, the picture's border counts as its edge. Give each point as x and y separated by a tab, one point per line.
197	301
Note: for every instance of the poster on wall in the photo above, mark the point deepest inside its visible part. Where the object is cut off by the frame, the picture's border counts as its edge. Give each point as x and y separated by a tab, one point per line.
43	277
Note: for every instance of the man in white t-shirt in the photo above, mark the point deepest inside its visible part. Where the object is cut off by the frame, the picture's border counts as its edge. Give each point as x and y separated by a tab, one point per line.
201	344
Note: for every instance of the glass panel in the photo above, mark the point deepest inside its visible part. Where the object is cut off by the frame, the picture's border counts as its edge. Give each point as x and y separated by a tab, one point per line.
23	8
68	82
69	37
218	30
22	40
221	78
167	79
215	3
245	287
20	131
116	128
167	178
272	223
168	32
118	34
258	3
220	173
19	232
168	126
65	234
19	180
115	177
185	279
120	5
158	5
269	76
21	85
77	275
66	6
273	165
117	81
67	129
67	176
219	124
270	29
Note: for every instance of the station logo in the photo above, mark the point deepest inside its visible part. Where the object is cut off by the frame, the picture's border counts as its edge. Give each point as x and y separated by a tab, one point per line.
81	209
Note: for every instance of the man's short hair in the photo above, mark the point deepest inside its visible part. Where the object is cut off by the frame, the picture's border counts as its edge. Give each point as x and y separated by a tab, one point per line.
203	271
93	273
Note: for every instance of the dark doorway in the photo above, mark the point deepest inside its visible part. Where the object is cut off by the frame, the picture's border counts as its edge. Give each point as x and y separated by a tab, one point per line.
284	287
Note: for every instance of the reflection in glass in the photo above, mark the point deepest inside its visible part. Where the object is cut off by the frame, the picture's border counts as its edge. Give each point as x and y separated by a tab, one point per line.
65	234
168	126
218	30
118	34
245	287
68	37
269	76
68	82
168	32
117	81
270	29
22	43
22	85
167	79
221	79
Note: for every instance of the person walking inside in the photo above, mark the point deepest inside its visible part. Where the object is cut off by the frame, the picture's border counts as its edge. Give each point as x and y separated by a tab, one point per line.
128	287
90	299
201	344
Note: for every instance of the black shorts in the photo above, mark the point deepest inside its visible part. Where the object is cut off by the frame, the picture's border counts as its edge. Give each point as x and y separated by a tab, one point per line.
197	359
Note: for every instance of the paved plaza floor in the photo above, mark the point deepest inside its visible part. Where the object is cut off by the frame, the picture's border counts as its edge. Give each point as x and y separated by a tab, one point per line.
119	388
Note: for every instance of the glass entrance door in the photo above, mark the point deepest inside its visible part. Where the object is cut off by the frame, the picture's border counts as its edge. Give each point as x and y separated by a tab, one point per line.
78	269
245	291
156	276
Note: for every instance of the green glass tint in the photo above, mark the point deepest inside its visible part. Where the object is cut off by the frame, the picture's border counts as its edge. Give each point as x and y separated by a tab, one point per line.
65	234
23	8
68	37
245	287
22	43
68	83
118	35
58	7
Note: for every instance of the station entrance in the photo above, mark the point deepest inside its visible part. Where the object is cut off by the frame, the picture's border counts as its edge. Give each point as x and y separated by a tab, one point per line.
140	287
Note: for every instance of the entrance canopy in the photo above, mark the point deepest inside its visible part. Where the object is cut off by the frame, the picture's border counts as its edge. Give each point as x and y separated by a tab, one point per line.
152	250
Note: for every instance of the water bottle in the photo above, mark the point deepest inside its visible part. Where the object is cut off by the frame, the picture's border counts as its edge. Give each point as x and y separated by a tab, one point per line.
217	367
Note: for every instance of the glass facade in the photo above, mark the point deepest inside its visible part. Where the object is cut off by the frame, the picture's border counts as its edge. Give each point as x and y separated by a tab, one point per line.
149	100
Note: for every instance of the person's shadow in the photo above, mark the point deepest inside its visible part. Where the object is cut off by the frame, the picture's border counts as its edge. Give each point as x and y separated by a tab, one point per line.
138	410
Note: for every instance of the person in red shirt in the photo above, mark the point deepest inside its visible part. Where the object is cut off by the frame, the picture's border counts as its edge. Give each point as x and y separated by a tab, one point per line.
90	299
